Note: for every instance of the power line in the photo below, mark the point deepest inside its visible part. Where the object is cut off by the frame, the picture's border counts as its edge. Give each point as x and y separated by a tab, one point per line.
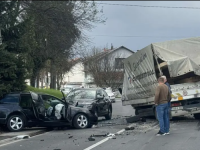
129	5
141	36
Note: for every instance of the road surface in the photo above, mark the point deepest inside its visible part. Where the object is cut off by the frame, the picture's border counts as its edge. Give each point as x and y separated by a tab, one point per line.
184	135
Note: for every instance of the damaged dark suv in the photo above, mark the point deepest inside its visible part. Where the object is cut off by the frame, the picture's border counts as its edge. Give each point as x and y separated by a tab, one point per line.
19	110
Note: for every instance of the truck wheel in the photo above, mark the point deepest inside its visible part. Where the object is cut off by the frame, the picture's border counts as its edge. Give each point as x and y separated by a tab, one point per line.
81	121
15	123
197	116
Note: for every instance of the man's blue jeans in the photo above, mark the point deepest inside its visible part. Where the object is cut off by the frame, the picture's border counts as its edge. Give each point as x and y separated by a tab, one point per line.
163	117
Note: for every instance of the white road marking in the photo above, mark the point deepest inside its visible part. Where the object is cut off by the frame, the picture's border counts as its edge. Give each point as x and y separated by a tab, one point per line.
104	140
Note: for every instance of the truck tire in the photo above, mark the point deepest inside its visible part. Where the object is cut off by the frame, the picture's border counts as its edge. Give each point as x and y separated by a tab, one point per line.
197	116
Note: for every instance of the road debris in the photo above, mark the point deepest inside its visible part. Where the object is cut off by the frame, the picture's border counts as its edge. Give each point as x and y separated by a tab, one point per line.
110	134
22	137
133	119
99	135
91	139
129	128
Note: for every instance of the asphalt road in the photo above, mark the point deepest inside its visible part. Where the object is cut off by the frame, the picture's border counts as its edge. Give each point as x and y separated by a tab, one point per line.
184	135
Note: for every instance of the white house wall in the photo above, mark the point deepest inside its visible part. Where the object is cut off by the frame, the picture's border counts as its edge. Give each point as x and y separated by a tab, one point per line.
76	74
119	53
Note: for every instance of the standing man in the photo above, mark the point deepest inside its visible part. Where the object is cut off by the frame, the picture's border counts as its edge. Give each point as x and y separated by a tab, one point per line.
169	87
162	96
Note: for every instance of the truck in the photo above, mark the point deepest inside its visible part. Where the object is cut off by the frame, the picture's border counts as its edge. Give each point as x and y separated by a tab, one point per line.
179	61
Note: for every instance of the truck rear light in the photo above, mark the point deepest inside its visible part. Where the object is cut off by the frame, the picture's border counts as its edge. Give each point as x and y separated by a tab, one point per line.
175	104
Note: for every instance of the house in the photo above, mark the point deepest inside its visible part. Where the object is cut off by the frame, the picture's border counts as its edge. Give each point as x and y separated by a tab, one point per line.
106	67
75	76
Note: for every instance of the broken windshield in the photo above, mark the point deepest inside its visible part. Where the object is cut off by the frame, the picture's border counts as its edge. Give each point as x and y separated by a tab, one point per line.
81	95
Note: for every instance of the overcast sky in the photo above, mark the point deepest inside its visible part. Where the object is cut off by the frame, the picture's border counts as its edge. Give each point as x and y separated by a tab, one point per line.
152	24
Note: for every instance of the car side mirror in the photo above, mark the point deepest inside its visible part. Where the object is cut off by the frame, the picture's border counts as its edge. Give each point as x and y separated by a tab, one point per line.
99	96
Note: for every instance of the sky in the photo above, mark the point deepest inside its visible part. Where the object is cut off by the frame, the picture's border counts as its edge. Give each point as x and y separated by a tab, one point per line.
142	26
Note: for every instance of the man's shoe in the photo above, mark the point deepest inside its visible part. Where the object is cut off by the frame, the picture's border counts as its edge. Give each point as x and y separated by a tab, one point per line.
167	133
160	133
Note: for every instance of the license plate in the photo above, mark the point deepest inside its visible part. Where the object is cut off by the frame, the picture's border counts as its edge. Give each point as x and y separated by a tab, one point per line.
177	108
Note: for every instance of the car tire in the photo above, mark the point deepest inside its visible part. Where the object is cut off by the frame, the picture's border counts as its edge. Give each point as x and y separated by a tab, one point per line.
15	123
81	121
109	115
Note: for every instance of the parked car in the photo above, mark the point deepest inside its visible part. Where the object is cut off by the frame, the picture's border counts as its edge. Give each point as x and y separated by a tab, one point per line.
19	110
66	90
95	100
110	94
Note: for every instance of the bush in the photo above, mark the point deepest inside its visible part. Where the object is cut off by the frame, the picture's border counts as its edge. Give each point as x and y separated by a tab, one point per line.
52	92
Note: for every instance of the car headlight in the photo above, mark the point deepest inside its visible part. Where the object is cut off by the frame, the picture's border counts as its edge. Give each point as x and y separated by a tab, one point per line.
87	106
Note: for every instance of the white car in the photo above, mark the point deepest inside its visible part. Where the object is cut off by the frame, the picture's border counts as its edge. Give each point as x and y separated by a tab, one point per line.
110	94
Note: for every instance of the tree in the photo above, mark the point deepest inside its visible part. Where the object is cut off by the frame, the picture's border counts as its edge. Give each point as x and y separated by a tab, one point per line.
12	68
103	67
62	24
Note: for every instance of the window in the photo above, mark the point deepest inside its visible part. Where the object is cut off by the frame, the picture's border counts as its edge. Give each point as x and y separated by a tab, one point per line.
50	101
26	101
81	94
11	98
119	63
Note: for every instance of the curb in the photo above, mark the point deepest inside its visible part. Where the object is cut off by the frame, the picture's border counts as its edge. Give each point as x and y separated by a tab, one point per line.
8	140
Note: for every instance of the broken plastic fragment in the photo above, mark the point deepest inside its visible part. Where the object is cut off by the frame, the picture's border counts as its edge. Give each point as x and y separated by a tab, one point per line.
110	134
22	137
91	139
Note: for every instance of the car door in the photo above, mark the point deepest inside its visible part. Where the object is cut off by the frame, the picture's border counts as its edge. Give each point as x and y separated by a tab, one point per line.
100	103
27	106
106	101
38	106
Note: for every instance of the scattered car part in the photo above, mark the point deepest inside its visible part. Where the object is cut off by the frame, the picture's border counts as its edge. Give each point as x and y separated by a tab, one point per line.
129	128
91	139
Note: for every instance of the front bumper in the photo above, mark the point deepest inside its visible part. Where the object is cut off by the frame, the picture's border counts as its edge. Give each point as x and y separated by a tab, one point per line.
93	118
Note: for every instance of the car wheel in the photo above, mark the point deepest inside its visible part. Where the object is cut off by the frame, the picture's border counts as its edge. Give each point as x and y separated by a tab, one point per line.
109	115
81	121
15	123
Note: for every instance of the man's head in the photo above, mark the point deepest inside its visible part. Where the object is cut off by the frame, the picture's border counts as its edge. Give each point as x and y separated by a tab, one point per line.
161	80
165	79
